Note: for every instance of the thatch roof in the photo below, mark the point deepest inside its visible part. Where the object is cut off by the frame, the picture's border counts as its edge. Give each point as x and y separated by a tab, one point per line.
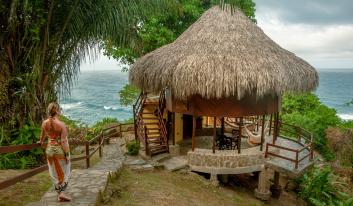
223	55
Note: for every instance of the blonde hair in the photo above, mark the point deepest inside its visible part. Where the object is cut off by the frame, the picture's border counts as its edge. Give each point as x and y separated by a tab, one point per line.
53	109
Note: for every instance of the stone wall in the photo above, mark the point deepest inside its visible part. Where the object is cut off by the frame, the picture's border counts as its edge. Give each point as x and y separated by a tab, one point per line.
225	161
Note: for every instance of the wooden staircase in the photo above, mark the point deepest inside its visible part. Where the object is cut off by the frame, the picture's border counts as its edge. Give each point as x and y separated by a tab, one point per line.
150	127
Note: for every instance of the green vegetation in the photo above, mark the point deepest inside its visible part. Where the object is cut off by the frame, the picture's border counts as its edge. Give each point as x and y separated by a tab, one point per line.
133	148
128	95
43	42
308	112
29	134
320	187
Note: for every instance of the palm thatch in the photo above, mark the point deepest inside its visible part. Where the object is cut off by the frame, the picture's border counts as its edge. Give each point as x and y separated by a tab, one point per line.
223	55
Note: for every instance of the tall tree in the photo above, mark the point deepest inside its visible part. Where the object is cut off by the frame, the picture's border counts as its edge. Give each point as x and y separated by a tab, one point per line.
42	43
157	30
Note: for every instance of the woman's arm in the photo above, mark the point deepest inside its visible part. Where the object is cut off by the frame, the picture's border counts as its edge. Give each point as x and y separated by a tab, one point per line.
42	135
64	139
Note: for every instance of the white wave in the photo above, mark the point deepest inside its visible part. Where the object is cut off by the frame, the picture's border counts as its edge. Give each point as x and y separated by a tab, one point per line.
346	116
70	105
110	108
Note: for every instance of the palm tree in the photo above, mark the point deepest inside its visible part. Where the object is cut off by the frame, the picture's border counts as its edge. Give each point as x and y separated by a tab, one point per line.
43	42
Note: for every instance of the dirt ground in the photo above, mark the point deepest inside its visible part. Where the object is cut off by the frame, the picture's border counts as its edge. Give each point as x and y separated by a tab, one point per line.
183	188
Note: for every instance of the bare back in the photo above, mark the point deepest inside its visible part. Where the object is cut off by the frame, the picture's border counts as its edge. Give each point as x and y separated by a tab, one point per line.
54	129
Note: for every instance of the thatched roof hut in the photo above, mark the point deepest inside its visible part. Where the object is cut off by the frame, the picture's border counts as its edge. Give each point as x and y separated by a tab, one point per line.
223	55
224	64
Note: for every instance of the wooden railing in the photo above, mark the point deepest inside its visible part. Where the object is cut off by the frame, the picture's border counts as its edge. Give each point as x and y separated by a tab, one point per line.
137	111
296	134
103	137
161	123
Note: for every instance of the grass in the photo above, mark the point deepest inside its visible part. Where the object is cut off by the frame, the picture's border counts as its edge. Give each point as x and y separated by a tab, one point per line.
166	188
32	189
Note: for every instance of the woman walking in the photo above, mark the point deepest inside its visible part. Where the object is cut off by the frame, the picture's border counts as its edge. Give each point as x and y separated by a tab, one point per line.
57	151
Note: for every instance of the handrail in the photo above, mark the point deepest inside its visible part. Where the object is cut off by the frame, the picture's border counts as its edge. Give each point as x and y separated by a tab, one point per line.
299	134
18	148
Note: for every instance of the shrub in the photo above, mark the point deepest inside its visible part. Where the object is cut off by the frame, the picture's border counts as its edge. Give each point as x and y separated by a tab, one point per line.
97	128
320	187
133	147
27	134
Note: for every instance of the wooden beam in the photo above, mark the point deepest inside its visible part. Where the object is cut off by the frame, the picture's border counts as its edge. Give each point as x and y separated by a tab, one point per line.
193	132
269	132
240	131
173	126
222	126
262	132
214	135
274	129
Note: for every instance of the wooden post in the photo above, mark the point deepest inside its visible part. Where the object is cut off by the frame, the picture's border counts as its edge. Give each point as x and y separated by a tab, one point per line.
274	129
193	132
173	127
240	131
278	126
262	132
87	154
121	133
99	144
266	153
222	126
135	126
276	188
296	159
214	135
269	132
146	142
311	151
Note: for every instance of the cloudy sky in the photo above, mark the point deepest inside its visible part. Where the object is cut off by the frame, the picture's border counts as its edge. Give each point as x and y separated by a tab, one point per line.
319	31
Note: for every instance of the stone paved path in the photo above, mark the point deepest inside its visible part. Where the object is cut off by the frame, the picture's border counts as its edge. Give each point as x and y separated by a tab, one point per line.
86	184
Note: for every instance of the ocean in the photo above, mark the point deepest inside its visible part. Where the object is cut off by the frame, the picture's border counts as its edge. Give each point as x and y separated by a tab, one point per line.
96	94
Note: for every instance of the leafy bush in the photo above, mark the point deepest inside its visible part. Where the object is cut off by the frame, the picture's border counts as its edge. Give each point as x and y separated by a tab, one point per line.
27	134
97	128
133	147
320	187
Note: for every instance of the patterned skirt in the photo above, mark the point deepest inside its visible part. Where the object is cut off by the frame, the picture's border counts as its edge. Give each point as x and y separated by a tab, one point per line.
59	168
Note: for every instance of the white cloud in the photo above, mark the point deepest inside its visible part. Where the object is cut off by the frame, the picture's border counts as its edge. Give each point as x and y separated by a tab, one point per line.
322	45
100	63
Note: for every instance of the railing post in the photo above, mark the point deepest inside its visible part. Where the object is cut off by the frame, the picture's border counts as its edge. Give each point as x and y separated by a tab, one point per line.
298	129
311	151
266	155
87	154
269	131
296	159
100	144
135	126
146	142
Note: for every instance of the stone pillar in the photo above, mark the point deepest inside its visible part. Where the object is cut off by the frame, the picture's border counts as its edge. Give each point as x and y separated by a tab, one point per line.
262	191
214	180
